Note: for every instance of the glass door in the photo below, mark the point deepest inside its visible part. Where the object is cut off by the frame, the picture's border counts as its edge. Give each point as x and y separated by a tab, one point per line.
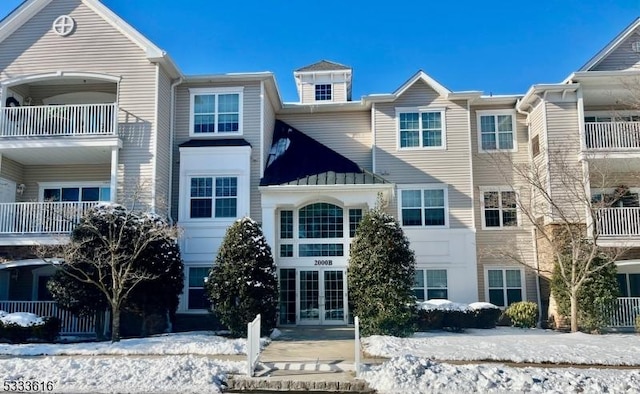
334	297
309	297
322	297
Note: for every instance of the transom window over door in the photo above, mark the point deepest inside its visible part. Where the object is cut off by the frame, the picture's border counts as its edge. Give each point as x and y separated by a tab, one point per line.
207	201
216	111
421	129
496	130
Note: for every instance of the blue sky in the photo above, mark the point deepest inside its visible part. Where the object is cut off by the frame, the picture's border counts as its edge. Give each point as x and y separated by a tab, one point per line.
499	47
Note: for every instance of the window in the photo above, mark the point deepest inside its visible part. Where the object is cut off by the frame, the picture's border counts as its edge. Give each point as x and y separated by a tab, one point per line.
219	202
499	208
436	284
504	286
196	298
629	285
424	207
355	216
320	220
216	111
323	92
421	129
535	145
76	194
496	130
620	197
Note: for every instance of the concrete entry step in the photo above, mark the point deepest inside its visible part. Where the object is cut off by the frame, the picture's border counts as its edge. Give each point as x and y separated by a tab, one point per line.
310	383
314	352
316	333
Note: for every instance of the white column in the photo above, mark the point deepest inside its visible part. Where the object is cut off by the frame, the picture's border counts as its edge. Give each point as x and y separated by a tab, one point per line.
269	227
114	173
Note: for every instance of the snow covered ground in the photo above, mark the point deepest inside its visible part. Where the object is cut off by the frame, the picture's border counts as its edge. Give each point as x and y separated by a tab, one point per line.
410	369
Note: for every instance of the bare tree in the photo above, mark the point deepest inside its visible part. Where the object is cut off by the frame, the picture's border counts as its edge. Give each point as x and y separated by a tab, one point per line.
554	197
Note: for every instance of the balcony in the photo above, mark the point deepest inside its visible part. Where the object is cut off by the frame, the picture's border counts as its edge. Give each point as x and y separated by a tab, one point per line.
59	120
618	226
43	218
612	136
622	314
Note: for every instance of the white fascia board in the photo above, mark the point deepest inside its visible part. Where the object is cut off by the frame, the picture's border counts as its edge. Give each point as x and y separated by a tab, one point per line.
611	46
334	188
535	90
346	106
20	16
226	77
421	75
66	143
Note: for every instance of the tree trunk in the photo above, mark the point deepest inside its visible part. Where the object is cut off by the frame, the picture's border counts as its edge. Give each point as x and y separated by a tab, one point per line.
574	310
115	324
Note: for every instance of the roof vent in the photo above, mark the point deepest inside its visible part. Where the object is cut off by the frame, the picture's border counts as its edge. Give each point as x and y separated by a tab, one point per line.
635	46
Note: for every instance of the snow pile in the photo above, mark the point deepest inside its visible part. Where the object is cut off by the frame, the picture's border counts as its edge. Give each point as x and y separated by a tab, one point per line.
23	319
170	374
411	374
446	305
511	344
195	343
474	306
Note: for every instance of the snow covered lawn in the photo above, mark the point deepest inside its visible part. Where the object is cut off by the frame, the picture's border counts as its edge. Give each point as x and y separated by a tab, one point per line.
512	344
194	343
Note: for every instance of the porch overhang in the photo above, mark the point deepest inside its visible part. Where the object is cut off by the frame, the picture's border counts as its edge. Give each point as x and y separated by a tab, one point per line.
60	151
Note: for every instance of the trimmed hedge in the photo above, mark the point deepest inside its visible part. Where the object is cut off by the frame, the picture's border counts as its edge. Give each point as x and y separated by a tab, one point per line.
456	320
46	332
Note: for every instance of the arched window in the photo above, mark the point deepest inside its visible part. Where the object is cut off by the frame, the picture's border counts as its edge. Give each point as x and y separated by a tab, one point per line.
321	220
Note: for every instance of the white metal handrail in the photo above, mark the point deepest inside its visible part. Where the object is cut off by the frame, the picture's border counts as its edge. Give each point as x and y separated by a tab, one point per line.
617	222
612	135
253	345
70	323
41	217
59	120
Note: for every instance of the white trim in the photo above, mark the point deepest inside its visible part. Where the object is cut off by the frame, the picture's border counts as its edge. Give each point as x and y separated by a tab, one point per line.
331	94
57	75
499	189
21	15
495	113
154	147
22	263
239	90
115	153
503	268
374	144
611	46
185	296
238	175
421	75
48	270
422	187
426	287
420	110
471	175
262	111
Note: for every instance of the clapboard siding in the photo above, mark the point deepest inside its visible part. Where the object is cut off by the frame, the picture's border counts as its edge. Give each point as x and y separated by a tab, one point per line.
163	164
94	46
348	133
450	166
622	58
40	92
32	175
11	170
251	132
269	125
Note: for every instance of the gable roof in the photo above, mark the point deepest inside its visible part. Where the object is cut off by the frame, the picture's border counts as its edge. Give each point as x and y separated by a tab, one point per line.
611	46
419	76
323	65
29	8
297	159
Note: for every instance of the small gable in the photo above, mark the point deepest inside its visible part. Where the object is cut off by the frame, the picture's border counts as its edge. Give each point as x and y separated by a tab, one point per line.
625	57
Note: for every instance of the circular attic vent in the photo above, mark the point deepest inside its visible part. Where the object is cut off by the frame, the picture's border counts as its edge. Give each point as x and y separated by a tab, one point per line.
64	25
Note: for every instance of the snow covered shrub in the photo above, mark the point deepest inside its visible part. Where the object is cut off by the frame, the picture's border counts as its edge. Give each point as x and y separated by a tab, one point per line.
457	321
485	315
428	320
380	274
20	327
242	282
49	330
523	314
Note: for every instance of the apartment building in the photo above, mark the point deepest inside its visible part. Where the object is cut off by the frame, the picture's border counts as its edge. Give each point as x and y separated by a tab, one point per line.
93	111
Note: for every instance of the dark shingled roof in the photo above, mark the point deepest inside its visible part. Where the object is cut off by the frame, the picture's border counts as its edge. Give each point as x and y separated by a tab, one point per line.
324	65
215	142
297	159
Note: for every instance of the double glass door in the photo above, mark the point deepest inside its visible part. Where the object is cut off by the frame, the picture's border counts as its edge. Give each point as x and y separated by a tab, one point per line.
322	297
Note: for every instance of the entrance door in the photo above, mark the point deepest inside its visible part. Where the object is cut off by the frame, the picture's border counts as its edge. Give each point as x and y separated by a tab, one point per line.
322	297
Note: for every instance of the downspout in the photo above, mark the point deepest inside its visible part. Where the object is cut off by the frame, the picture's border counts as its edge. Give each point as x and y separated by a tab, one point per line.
373	131
172	138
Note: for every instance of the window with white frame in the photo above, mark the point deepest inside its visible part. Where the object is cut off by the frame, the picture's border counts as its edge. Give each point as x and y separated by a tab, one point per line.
424	206
504	286
621	197
323	92
430	284
421	128
216	111
73	193
497	131
196	298
213	197
499	208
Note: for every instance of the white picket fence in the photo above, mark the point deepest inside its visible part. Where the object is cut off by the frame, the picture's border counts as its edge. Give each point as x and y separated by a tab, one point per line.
356	322
623	312
253	345
71	324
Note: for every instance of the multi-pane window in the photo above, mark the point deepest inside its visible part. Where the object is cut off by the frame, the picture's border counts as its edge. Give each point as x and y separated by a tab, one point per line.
421	129
323	92
320	250
424	207
355	216
499	208
213	197
216	112
620	198
429	284
629	285
320	220
497	131
196	294
75	194
505	286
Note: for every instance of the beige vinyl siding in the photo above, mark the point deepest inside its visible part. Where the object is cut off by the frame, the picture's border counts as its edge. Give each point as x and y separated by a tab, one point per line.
622	58
269	125
251	133
94	46
40	92
11	170
420	166
32	175
537	127
338	92
163	164
511	247
604	177
348	133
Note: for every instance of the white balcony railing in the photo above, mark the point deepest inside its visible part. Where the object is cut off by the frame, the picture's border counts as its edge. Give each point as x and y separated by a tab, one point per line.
70	324
612	135
623	312
618	222
59	120
41	217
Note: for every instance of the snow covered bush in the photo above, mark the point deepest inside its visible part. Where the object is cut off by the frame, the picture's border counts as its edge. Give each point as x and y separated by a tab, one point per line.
380	274
20	327
242	282
485	315
523	314
452	316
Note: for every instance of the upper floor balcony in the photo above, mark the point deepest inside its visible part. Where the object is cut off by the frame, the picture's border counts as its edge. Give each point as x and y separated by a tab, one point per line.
618	226
612	136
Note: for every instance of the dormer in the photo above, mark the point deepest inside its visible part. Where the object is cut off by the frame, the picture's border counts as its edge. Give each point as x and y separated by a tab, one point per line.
323	82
